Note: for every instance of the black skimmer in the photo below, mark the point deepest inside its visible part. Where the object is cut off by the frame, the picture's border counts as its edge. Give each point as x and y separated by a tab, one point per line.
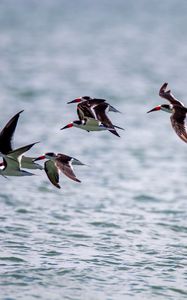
176	108
91	102
12	162
59	162
92	115
88	124
6	137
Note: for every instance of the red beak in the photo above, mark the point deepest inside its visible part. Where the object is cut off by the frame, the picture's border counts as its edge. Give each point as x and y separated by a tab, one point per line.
154	109
67	126
74	101
39	158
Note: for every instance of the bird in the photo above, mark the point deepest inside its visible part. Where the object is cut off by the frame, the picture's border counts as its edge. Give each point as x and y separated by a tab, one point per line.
90	102
57	163
88	124
176	108
92	115
6	137
12	162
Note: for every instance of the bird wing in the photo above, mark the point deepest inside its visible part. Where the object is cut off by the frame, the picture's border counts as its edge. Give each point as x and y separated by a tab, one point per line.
69	159
96	101
66	168
10	163
64	158
17	153
52	172
100	111
6	134
27	162
178	122
84	110
168	95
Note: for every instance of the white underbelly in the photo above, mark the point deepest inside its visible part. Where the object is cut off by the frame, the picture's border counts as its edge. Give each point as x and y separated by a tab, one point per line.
92	125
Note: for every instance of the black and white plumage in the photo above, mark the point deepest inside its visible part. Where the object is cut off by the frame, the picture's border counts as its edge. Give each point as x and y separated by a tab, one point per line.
93	110
100	112
7	133
176	108
87	101
57	163
88	124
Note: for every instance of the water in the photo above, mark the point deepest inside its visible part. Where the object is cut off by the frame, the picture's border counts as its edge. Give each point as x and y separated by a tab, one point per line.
121	233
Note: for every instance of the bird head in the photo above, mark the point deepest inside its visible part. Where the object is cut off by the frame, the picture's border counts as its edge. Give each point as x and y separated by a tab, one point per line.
164	107
48	155
75	123
80	99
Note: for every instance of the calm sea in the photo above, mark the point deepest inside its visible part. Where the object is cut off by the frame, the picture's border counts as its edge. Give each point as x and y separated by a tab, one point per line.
121	233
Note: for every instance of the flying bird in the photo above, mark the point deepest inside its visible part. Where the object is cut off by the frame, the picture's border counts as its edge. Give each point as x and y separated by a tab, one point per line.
57	163
91	102
92	115
88	124
176	108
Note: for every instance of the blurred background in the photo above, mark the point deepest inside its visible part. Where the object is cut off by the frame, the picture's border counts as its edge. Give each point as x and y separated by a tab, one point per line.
121	233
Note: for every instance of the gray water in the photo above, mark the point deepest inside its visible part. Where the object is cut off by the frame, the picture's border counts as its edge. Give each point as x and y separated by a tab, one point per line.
122	232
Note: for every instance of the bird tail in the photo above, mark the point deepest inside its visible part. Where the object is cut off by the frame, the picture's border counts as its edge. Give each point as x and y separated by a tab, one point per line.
111	108
119	127
77	162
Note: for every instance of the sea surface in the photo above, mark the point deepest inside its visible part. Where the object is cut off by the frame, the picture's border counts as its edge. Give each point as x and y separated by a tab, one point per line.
122	232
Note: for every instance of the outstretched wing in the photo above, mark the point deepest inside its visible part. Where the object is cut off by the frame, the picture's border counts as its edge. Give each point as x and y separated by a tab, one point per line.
11	163
168	95
69	159
6	134
52	172
27	162
178	122
100	111
17	153
84	111
66	168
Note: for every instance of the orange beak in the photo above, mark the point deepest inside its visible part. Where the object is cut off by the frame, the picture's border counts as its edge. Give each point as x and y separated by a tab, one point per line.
154	109
67	126
74	101
39	158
